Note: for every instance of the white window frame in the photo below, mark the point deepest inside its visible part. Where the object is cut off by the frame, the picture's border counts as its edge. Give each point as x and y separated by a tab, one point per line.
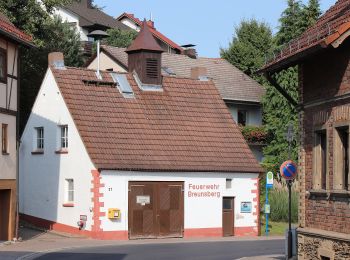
64	137
40	138
69	191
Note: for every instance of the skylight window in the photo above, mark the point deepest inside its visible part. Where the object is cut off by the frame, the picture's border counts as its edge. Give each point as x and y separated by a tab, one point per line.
168	71
122	84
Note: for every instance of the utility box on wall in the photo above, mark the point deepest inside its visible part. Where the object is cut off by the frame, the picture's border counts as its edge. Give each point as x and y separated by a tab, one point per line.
114	213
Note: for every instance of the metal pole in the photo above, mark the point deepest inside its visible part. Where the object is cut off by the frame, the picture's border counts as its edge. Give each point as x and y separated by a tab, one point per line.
290	219
289	184
266	214
98	58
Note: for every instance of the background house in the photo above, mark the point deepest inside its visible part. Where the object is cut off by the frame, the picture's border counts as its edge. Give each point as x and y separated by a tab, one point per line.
323	56
164	42
10	39
86	18
242	94
136	155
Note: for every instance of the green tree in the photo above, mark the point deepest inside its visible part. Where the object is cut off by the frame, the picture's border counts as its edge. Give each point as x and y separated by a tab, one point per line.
120	38
291	23
250	45
49	34
278	113
311	12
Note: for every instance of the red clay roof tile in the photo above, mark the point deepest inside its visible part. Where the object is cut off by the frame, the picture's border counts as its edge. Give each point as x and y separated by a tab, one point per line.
185	127
6	27
329	27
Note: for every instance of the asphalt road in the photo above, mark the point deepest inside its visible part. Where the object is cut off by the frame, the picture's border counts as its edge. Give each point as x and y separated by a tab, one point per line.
179	251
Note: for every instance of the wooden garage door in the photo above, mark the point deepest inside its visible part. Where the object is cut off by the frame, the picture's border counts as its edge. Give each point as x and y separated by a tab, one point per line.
5	198
156	209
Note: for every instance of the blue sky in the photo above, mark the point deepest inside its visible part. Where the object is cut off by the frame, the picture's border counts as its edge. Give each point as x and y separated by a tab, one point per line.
207	23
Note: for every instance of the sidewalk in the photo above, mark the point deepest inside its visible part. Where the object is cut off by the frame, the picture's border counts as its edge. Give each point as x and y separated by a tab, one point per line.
39	242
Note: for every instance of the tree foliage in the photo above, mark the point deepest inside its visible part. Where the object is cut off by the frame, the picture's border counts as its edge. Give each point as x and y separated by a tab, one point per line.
251	43
278	113
249	48
49	34
120	38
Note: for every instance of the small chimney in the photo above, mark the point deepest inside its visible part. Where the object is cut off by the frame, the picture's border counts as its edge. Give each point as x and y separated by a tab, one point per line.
192	53
145	57
89	4
151	24
56	59
189	50
199	72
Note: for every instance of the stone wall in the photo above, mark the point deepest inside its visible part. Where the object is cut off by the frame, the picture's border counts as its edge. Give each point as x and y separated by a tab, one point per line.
315	247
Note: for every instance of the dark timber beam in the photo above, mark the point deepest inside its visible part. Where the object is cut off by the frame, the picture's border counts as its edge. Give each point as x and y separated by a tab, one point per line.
284	93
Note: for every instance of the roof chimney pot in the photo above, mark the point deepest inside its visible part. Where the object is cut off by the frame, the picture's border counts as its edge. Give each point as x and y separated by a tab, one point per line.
56	59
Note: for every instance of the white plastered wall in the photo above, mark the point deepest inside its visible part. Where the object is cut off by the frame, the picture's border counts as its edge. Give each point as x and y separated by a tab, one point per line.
198	212
72	18
130	24
43	176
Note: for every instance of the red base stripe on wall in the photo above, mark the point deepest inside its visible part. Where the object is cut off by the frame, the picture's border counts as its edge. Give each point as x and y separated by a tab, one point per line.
246	231
203	232
51	225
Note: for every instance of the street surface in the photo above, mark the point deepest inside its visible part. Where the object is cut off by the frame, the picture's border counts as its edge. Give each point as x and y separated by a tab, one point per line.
197	250
51	245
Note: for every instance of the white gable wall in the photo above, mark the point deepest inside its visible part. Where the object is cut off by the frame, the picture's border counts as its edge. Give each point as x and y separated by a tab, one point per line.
43	176
70	17
128	22
106	63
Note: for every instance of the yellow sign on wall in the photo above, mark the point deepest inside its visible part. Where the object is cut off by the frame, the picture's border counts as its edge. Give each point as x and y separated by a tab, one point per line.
114	213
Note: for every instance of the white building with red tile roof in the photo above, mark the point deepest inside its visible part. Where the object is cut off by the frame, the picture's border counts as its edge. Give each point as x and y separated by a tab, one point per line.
136	154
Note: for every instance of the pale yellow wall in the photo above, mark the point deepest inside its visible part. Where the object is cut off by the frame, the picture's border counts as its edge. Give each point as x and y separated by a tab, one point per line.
8	101
8	161
106	63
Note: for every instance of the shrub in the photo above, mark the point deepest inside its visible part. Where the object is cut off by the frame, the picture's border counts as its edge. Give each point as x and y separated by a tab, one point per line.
278	200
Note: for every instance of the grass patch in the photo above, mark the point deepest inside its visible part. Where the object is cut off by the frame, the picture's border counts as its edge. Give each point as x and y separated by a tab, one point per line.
276	228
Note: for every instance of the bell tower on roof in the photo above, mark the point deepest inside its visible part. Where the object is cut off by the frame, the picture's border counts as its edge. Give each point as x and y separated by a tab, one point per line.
145	57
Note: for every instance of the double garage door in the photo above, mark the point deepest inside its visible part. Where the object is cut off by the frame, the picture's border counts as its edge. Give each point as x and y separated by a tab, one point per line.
156	209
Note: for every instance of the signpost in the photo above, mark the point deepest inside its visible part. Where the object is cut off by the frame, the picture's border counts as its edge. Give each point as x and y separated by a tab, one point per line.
269	185
288	170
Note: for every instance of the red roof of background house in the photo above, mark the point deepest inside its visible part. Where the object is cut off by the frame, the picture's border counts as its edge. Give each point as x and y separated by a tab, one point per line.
329	28
186	127
7	28
154	32
144	41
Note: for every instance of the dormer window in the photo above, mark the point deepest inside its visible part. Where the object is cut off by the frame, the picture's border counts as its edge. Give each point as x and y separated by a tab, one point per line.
3	65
